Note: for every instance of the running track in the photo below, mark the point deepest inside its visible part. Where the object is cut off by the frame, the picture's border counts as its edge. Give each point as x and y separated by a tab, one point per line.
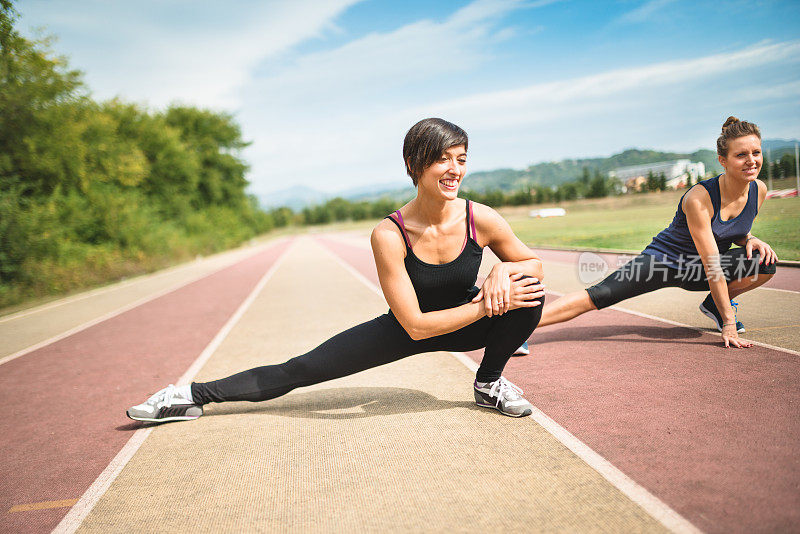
713	433
710	435
61	423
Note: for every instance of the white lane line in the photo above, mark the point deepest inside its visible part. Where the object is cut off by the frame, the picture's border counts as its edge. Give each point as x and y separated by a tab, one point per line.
89	499
654	506
118	311
649	502
793	291
125	283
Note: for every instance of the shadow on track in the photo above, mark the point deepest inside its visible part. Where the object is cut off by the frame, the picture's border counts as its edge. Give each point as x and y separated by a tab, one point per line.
345	403
626	333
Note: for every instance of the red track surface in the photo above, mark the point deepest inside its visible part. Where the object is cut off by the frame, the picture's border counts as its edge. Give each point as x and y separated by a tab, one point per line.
64	404
711	432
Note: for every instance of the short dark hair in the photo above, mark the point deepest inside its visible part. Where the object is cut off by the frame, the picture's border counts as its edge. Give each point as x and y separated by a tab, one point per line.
734	129
425	143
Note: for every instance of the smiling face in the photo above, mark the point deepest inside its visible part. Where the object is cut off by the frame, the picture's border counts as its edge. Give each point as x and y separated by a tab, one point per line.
744	158
443	177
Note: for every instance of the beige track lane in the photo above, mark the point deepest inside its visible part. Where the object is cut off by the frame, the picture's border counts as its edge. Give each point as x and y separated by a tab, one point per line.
771	317
23	329
396	448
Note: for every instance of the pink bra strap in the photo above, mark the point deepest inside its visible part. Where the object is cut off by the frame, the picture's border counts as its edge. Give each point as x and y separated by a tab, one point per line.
402	226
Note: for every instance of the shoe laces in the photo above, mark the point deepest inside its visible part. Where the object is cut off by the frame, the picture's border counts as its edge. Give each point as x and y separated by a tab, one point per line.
163	397
735	308
503	389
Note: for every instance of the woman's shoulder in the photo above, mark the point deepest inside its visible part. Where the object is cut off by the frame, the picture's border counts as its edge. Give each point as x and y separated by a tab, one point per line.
697	199
489	224
386	234
483	213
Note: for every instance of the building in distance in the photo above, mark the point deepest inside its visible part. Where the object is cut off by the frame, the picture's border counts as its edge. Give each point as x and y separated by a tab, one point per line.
677	173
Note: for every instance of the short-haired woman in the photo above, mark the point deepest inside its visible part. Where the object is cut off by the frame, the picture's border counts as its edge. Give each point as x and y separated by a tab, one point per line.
427	254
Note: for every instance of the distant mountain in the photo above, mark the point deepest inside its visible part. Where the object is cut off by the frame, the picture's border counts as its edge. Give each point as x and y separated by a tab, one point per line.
778	147
557	172
297	198
551	173
371	192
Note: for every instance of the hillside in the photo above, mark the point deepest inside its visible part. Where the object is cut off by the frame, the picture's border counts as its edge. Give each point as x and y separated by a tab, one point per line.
556	173
551	173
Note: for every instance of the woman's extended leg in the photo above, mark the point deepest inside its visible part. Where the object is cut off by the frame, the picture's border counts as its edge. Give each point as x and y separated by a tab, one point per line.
567	307
640	275
377	342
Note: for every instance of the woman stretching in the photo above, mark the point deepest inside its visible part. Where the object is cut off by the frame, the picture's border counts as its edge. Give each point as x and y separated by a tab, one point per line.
693	252
427	254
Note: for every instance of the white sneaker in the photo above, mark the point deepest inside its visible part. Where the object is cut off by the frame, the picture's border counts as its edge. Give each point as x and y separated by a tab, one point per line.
523	350
503	396
166	405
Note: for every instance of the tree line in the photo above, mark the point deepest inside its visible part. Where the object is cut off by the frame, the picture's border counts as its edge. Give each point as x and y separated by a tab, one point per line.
92	191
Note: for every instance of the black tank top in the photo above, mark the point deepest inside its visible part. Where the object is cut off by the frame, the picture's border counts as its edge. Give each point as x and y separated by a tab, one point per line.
674	244
445	285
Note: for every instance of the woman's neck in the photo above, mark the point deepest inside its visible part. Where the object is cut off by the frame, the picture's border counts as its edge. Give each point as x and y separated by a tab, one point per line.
732	188
433	212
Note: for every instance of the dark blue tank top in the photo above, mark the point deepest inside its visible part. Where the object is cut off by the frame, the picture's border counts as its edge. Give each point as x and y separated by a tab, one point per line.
674	245
445	285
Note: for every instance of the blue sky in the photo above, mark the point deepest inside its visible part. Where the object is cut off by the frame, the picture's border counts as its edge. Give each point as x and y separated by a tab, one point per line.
326	89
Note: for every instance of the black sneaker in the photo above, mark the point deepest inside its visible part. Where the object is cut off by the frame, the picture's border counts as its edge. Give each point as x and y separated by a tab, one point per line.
166	405
709	309
503	396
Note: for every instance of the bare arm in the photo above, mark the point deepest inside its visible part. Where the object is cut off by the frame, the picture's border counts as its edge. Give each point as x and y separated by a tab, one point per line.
515	259
751	242
699	211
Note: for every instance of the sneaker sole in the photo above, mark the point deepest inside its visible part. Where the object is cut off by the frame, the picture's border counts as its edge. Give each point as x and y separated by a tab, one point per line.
711	316
705	311
163	419
523	414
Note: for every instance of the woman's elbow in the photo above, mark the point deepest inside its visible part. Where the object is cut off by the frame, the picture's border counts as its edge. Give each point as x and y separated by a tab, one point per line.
413	330
417	334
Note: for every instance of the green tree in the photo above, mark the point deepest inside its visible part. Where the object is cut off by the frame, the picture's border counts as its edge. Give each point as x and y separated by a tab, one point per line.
598	187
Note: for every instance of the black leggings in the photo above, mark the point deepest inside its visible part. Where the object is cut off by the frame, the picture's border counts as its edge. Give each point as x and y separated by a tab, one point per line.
377	342
645	273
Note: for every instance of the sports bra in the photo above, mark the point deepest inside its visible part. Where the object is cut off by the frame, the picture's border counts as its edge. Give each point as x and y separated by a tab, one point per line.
445	285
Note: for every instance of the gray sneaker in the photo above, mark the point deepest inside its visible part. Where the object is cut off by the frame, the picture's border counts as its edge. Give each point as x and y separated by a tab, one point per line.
503	396
166	405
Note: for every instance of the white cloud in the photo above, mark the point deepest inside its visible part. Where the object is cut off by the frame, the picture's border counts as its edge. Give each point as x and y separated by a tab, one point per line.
339	146
327	109
643	12
200	53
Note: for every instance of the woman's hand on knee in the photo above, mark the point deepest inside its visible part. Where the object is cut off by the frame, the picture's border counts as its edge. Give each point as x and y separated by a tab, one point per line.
496	291
526	292
766	255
